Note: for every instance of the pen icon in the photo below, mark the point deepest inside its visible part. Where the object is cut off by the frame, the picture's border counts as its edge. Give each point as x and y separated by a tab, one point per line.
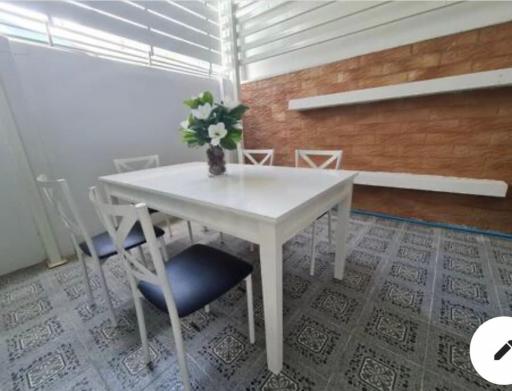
503	350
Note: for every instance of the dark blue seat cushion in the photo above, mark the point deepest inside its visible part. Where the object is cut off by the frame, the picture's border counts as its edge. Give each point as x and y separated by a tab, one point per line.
105	247
197	275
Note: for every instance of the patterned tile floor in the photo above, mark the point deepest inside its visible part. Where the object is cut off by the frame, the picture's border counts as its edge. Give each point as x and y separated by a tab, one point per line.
401	319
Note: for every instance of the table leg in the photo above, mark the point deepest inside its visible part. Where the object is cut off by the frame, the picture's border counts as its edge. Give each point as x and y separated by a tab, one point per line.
271	261
342	227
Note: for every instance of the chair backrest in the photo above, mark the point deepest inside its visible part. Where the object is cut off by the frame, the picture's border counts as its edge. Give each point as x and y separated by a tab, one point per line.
330	158
136	163
59	197
125	217
260	157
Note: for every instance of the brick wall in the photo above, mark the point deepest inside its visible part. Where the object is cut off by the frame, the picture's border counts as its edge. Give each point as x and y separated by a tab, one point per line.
461	134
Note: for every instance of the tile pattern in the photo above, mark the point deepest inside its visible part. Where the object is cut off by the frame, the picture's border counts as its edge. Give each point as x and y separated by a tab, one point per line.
335	306
461	317
465	289
401	297
314	342
395	331
34	337
460	265
48	369
401	319
415	255
367	368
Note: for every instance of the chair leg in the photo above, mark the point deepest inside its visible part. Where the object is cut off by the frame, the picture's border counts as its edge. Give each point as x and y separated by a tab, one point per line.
313	245
190	234
221	237
165	254
140	320
250	307
106	296
180	353
88	288
329	227
168	221
142	256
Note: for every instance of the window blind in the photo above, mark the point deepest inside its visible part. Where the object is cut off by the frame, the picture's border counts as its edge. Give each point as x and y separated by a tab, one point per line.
178	36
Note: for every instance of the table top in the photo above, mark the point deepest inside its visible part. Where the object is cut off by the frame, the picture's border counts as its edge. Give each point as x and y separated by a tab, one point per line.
268	192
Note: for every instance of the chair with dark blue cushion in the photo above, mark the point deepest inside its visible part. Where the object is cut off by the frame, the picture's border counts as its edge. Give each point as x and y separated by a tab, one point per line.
210	271
182	284
105	248
99	247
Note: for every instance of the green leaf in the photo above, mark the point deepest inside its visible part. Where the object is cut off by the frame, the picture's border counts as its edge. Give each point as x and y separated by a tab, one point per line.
207	97
238	112
193	103
227	143
235	135
189	137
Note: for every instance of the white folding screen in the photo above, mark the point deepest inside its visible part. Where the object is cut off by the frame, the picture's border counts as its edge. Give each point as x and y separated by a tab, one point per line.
180	36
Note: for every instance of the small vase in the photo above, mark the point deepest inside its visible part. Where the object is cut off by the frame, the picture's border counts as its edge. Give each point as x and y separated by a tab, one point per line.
216	162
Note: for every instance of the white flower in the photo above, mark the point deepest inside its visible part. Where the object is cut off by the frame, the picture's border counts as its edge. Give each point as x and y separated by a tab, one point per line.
217	132
203	111
230	104
184	124
238	126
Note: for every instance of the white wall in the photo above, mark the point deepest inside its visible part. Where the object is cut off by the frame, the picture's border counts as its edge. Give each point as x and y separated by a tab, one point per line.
79	112
19	241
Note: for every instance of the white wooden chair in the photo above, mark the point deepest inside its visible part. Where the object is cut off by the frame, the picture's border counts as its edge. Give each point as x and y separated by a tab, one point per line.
58	195
260	157
141	163
180	285
136	163
320	159
98	247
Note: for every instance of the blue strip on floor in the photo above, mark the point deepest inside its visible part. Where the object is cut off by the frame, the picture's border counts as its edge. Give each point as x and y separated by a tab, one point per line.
435	224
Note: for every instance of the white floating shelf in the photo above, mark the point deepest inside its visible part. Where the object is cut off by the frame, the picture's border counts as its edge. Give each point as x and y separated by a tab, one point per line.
446	184
470	81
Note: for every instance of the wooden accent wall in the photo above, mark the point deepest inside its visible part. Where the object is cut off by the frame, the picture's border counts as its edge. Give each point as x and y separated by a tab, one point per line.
461	134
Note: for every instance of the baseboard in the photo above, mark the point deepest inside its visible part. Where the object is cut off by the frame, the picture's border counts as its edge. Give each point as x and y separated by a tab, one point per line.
455	227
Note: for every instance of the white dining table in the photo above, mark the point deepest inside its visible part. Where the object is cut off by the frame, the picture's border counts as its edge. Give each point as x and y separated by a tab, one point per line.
266	205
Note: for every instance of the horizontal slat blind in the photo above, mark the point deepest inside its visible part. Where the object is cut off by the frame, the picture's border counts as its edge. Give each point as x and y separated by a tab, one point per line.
312	20
323	22
275	37
181	36
286	11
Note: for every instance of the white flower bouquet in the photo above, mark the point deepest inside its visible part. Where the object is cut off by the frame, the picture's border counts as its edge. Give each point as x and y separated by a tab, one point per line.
215	124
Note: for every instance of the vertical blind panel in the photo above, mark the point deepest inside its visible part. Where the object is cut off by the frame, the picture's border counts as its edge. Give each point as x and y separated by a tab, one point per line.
125	27
390	12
